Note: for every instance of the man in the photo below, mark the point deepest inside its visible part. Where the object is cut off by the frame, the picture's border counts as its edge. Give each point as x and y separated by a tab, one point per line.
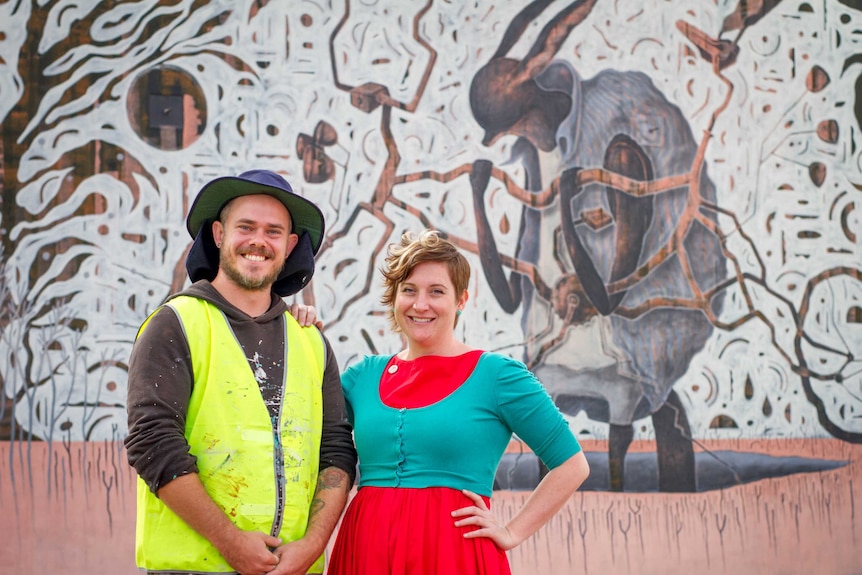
237	424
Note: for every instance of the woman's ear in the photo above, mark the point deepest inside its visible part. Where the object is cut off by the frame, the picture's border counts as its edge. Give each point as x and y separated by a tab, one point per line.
462	301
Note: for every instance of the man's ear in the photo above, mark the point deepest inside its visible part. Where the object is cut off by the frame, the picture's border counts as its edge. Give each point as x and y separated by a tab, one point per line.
218	232
298	268
292	240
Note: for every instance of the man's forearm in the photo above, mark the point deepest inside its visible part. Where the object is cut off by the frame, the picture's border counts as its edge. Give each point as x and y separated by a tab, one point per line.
330	497
187	497
245	551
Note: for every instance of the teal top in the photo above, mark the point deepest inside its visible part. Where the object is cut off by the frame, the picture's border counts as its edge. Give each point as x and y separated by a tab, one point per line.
459	440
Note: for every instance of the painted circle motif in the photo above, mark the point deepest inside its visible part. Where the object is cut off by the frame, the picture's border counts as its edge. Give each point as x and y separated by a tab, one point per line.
166	108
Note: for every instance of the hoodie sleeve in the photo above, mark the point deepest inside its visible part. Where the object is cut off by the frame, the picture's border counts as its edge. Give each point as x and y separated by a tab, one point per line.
159	388
336	443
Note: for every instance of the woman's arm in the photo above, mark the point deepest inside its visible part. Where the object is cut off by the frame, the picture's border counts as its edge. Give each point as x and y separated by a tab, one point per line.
548	497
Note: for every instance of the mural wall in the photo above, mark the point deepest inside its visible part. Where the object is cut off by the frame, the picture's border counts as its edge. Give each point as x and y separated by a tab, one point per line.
661	201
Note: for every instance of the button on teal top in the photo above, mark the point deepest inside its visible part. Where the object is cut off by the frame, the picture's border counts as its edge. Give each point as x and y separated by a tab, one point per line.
458	441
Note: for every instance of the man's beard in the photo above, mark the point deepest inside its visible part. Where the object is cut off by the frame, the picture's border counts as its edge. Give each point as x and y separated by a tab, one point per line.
246	282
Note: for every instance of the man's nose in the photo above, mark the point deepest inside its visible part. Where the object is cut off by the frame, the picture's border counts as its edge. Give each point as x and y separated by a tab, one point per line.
258	237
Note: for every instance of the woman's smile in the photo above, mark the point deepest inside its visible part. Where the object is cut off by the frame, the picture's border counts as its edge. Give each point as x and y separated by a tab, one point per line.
426	304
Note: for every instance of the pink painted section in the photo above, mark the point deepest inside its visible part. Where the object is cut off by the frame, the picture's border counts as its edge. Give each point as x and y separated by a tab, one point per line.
73	511
66	510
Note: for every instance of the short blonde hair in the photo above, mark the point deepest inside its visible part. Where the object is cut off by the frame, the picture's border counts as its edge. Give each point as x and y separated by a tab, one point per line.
403	257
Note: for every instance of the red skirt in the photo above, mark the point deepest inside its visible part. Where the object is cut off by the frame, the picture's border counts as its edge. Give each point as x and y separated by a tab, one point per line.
404	531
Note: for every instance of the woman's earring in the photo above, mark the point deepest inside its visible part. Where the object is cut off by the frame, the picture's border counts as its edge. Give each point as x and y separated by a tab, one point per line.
458	312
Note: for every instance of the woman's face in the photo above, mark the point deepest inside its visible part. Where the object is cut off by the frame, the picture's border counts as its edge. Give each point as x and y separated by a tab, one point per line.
426	305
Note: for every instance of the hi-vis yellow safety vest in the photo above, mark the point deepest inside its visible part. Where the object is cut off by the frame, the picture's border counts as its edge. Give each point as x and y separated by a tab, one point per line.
229	430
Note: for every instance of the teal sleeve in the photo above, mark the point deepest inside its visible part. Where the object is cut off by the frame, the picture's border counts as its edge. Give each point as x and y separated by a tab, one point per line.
348	381
361	373
531	414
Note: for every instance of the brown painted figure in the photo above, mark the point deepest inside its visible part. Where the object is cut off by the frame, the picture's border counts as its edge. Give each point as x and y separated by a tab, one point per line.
620	267
600	343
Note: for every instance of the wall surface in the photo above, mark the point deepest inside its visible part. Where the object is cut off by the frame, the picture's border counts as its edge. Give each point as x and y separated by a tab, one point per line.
661	202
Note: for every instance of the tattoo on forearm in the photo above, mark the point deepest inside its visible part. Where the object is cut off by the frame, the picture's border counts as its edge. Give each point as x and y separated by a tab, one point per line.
329	478
316	505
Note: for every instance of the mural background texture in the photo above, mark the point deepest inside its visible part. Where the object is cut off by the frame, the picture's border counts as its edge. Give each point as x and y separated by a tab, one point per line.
661	201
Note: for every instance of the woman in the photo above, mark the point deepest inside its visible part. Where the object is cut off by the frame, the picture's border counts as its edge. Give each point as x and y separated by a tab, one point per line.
431	424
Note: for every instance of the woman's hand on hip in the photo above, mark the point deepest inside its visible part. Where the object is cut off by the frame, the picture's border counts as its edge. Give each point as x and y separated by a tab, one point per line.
486	523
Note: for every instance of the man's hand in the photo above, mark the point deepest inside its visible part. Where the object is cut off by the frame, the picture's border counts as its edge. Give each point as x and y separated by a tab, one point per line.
295	558
330	497
246	551
306	315
249	552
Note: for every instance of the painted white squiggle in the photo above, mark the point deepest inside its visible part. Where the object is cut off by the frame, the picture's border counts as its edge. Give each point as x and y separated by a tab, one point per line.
267	77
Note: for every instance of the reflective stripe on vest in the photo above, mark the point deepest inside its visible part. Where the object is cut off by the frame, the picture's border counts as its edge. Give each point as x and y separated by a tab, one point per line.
230	431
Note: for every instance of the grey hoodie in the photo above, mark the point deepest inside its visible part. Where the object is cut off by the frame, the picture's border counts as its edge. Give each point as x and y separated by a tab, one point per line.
161	380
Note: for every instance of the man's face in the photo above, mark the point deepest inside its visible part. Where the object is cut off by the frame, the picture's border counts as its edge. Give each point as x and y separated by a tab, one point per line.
255	238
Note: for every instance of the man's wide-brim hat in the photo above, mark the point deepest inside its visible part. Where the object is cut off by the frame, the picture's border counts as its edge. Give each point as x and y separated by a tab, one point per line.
307	220
306	216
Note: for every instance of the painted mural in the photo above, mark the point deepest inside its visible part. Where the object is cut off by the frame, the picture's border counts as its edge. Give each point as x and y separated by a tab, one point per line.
661	201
